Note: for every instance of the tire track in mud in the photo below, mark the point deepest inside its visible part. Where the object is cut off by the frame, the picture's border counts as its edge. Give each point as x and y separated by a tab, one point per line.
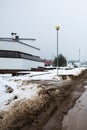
64	100
46	112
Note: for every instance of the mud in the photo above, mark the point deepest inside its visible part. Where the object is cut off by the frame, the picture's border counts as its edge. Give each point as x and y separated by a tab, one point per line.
48	110
76	118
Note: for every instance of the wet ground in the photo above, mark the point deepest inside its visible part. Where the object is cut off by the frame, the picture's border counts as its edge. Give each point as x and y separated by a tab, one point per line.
48	110
76	119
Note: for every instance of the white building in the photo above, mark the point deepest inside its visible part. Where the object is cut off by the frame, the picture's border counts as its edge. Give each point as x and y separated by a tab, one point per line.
16	54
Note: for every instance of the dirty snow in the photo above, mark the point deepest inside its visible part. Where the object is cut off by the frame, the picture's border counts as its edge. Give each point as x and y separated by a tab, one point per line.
20	92
51	74
22	89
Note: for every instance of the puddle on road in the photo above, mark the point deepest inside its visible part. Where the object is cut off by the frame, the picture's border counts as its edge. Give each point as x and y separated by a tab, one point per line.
76	119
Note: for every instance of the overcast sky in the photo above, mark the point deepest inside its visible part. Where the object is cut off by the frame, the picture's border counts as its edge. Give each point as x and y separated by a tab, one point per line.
38	18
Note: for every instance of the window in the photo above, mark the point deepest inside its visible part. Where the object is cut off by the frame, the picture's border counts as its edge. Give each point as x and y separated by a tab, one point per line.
15	54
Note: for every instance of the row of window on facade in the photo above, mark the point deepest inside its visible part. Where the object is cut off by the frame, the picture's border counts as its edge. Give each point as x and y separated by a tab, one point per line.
15	54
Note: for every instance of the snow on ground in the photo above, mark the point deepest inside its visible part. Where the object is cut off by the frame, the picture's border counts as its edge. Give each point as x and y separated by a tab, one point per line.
74	71
50	74
13	89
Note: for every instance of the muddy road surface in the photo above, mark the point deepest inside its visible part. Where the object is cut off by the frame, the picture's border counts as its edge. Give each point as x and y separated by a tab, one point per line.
47	111
76	118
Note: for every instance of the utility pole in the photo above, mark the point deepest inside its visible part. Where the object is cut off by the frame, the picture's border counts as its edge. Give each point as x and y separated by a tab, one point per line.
79	58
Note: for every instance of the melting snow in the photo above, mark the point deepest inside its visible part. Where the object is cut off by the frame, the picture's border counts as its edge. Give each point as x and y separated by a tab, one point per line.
21	90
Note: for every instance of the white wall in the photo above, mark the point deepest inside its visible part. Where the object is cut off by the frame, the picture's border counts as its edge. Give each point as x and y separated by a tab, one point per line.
17	64
15	46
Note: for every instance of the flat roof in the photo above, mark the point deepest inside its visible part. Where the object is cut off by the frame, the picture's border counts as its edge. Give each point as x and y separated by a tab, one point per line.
18	41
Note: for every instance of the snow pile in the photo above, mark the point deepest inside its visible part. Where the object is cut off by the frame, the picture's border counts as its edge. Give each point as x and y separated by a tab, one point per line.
74	71
13	91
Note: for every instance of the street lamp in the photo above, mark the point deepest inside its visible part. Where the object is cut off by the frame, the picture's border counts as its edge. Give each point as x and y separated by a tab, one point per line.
57	28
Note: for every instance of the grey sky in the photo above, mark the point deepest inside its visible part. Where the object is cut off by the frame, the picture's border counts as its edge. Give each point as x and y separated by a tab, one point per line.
38	18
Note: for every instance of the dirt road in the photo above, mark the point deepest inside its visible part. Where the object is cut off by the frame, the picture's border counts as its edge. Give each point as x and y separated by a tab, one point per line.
47	112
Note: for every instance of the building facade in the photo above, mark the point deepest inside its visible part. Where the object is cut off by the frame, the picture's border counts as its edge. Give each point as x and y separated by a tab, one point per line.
16	54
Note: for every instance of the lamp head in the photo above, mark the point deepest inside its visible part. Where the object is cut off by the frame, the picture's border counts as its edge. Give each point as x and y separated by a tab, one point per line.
57	27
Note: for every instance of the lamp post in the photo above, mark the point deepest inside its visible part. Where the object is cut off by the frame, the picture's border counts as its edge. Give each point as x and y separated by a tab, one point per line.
57	28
